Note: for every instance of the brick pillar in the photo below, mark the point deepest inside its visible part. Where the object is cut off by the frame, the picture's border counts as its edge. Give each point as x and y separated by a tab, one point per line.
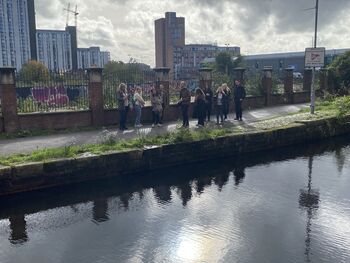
162	78
288	84
307	81
8	99
205	78
239	74
96	96
267	84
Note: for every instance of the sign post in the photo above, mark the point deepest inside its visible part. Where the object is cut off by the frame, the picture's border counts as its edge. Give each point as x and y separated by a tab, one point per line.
314	58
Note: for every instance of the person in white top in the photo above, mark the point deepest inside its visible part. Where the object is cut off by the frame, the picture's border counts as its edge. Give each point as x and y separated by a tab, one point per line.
138	104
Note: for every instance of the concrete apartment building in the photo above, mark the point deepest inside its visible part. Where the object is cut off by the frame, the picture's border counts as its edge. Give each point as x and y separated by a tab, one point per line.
17	32
57	49
20	41
169	34
172	52
92	56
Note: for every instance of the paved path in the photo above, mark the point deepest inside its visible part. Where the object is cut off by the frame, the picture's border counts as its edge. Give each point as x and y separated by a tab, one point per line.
29	144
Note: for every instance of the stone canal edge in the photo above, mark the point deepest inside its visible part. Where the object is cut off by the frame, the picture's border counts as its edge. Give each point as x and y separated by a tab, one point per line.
40	175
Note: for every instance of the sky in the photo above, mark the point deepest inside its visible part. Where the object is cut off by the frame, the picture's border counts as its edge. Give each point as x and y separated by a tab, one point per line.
126	27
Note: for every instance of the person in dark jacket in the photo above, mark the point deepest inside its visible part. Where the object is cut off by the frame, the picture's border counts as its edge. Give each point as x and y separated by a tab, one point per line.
123	102
239	94
185	101
208	102
226	100
200	107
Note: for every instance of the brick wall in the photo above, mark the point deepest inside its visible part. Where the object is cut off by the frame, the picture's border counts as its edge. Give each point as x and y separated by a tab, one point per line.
65	120
301	97
56	120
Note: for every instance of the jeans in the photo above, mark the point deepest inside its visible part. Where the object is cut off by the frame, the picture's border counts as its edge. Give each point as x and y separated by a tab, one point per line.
156	117
184	110
219	113
122	119
138	115
226	108
208	111
238	106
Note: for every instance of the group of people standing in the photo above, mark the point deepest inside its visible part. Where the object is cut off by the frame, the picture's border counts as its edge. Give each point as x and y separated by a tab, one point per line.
203	104
128	101
205	99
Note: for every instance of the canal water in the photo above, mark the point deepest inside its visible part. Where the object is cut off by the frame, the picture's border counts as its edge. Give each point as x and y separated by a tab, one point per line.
289	205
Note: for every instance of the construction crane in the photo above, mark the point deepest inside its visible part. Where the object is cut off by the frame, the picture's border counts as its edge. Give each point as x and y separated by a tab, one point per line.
75	12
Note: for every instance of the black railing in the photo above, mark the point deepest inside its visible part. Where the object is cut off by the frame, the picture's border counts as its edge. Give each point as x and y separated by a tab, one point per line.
51	92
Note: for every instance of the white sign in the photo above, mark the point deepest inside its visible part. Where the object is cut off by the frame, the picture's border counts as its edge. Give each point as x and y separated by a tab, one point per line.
314	57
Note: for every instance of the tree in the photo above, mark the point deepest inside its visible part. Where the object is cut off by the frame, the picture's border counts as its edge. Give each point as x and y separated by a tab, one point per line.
224	63
125	72
34	71
339	74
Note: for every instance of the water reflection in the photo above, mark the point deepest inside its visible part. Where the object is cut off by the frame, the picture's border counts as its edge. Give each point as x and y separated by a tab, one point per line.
100	210
18	226
239	173
185	192
187	182
202	183
162	193
309	200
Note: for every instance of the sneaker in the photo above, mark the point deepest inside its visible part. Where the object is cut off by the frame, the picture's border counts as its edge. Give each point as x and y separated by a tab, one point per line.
153	125
159	125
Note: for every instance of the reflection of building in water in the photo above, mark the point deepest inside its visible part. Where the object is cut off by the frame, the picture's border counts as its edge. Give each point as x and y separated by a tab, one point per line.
185	193
18	226
100	210
309	201
162	193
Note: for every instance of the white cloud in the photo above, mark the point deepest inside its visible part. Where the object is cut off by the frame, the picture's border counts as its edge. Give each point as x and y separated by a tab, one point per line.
126	27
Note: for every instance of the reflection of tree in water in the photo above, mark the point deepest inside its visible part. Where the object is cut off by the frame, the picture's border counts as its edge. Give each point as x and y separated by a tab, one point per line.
162	193
185	192
18	226
340	158
100	210
309	201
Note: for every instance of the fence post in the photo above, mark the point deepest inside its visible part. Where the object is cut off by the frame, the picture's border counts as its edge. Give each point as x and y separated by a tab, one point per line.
205	78
288	84
323	81
239	74
307	81
8	99
96	96
267	84
162	78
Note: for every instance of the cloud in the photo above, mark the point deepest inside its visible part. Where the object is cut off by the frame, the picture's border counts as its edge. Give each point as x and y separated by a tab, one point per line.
126	27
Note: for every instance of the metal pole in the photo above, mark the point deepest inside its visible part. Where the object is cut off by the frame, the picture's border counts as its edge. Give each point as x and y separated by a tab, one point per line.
313	95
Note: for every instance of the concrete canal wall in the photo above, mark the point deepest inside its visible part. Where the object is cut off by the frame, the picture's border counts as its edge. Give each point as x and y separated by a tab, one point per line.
28	177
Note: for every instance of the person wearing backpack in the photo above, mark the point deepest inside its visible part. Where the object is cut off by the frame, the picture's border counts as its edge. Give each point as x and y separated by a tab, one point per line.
138	103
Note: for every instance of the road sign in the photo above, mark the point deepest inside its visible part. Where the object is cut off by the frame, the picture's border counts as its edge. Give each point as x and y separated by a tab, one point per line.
314	57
